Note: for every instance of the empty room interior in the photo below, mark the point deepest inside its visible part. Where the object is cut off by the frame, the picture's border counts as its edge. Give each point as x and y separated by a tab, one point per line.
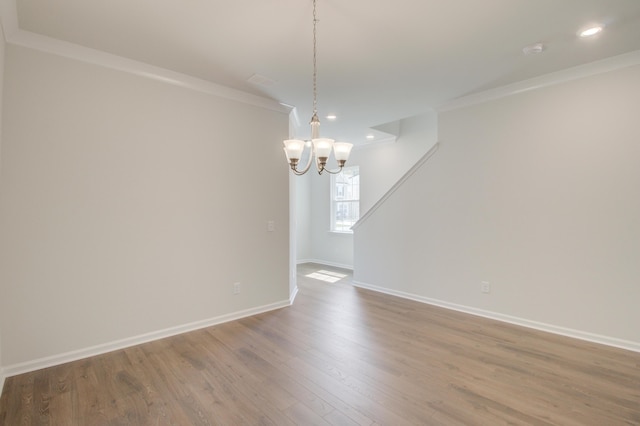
320	212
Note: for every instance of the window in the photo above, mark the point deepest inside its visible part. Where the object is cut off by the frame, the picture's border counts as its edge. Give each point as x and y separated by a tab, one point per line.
345	199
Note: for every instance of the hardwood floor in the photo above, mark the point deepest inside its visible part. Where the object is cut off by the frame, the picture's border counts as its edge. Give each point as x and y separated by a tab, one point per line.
340	356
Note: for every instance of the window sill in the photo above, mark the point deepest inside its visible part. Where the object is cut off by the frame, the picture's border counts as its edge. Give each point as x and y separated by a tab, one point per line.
341	232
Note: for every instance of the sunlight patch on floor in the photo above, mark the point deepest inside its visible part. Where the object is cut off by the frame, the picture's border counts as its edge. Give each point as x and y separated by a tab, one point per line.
328	276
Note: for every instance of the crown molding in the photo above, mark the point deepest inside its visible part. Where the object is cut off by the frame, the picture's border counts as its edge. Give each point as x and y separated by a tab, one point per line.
8	17
569	74
107	60
15	36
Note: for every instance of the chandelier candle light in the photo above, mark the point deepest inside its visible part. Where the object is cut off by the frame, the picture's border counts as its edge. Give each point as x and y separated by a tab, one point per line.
320	147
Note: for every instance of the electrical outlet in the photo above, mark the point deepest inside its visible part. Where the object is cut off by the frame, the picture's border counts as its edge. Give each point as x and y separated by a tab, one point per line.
236	288
271	226
485	287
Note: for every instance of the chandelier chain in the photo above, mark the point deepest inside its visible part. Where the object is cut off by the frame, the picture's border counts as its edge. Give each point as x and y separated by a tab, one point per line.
321	148
315	69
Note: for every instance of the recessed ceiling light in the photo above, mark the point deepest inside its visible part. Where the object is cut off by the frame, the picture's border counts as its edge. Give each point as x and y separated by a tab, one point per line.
370	137
331	117
591	31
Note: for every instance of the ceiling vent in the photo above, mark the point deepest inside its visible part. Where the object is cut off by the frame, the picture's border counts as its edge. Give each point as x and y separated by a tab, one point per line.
533	49
261	80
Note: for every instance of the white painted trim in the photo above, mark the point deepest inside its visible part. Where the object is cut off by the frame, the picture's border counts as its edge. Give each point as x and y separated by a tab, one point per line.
397	185
293	295
549	328
8	24
325	263
14	35
294	121
50	361
575	73
9	15
343	233
293	234
107	60
386	140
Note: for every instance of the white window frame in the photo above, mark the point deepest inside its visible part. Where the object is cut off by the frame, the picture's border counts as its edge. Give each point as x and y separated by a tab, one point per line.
349	196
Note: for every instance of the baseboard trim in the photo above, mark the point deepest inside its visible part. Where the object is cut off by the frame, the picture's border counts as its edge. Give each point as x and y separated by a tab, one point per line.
293	295
326	263
54	360
550	328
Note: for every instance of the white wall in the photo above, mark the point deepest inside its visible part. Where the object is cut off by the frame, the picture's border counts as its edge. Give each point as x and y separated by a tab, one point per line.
538	194
303	216
380	168
327	247
130	206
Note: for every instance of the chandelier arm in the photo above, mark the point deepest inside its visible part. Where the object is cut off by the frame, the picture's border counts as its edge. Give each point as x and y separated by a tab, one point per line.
296	172
333	172
309	161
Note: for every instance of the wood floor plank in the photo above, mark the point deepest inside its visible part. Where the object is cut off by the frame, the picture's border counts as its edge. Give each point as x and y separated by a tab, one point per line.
339	356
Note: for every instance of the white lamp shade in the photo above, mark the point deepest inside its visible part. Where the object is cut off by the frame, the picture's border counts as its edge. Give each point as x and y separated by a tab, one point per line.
341	150
322	147
286	154
293	149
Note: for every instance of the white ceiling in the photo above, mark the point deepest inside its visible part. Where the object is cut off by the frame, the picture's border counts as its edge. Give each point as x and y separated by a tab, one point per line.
378	61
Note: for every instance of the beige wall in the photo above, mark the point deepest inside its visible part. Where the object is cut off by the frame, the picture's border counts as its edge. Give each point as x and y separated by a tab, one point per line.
537	194
2	285
130	206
